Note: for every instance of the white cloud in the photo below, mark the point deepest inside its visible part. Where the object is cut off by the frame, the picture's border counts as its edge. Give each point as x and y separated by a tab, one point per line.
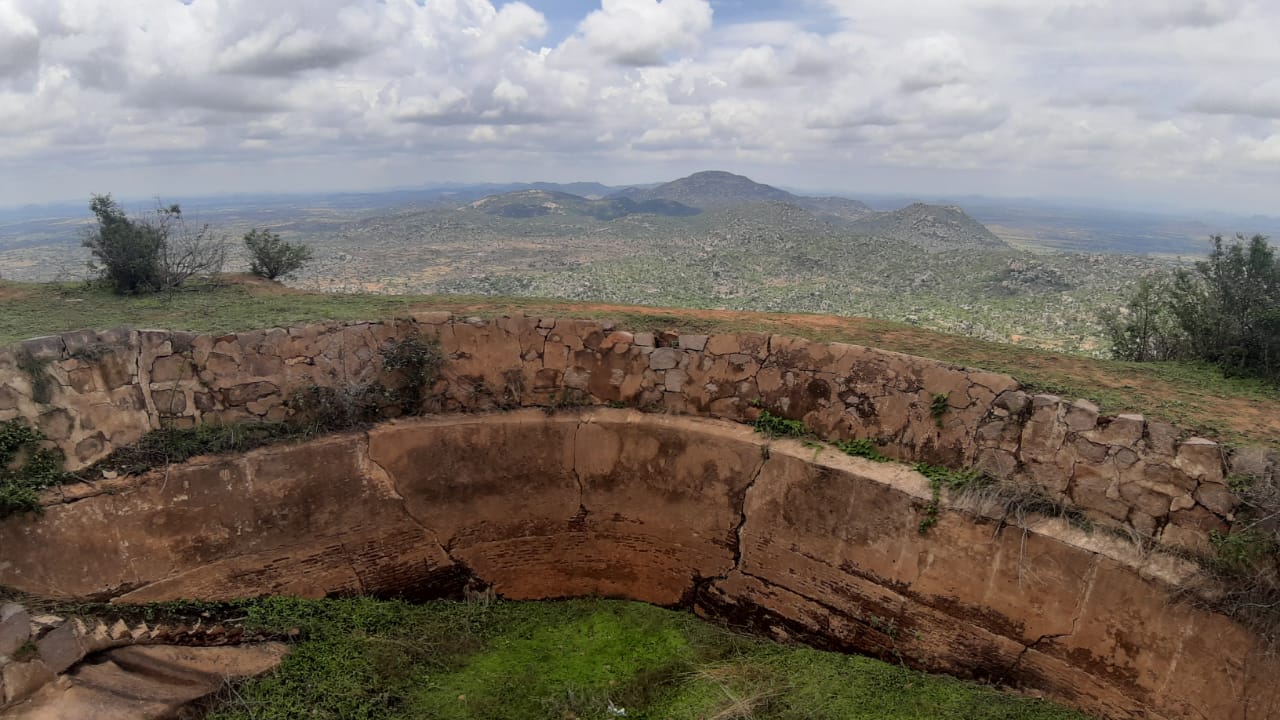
643	32
1087	94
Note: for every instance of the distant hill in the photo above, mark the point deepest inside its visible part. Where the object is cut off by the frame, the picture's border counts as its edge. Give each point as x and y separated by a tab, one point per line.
538	203
930	227
715	188
740	202
711	188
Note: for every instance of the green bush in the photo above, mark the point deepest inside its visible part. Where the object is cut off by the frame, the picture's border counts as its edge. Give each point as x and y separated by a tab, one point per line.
25	468
271	256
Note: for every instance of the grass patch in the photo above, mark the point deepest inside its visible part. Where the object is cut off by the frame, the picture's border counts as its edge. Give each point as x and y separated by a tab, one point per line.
583	659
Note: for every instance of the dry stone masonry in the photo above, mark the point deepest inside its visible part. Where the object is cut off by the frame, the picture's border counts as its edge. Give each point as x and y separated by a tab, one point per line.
108	389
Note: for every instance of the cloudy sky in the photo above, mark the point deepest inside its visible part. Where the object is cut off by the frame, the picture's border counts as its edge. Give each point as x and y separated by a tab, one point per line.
1146	102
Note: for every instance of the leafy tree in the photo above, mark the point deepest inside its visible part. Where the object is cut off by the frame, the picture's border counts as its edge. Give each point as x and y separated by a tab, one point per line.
1146	329
1226	310
272	257
154	252
1229	306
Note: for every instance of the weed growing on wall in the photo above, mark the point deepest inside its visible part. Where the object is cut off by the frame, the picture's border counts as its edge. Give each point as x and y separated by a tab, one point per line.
418	361
775	426
25	468
37	372
861	447
940	477
939	407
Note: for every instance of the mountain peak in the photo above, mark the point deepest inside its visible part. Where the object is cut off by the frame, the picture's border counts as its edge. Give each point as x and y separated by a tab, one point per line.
712	188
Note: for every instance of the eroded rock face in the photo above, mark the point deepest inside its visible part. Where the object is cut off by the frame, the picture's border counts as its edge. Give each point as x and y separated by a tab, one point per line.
802	542
145	682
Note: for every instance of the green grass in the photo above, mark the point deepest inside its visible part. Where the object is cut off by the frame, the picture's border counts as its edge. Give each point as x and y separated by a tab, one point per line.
48	309
361	659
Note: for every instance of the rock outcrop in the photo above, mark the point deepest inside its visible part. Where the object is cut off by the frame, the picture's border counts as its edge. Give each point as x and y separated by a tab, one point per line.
55	667
803	542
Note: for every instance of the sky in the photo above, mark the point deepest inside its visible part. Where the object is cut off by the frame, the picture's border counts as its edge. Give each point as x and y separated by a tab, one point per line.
1160	104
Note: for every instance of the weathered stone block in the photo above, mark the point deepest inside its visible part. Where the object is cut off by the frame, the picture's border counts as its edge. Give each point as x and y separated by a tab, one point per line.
19	680
997	463
664	359
696	343
45	348
1162	437
1081	415
1217	498
15	628
169	402
61	647
56	424
241	394
90	448
1201	459
1122	430
1146	500
172	368
1013	401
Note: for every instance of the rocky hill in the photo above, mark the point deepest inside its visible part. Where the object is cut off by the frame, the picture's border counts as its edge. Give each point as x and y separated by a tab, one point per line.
709	189
932	228
715	188
538	203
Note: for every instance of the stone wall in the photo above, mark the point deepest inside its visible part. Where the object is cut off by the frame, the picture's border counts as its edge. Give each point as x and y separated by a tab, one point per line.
801	542
109	388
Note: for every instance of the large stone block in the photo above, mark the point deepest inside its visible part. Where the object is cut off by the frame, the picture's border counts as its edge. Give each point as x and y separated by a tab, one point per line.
15	628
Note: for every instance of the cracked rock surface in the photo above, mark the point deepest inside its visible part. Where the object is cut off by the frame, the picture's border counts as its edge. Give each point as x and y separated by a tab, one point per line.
797	541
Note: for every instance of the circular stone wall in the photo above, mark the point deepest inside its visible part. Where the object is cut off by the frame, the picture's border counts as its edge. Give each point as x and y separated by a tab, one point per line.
799	541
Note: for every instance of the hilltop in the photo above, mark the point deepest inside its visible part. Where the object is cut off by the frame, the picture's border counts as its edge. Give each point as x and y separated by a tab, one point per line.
716	188
929	227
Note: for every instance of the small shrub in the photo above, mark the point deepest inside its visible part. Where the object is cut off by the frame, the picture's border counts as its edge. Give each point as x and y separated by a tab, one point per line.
271	256
861	447
940	477
418	361
775	426
318	409
939	407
